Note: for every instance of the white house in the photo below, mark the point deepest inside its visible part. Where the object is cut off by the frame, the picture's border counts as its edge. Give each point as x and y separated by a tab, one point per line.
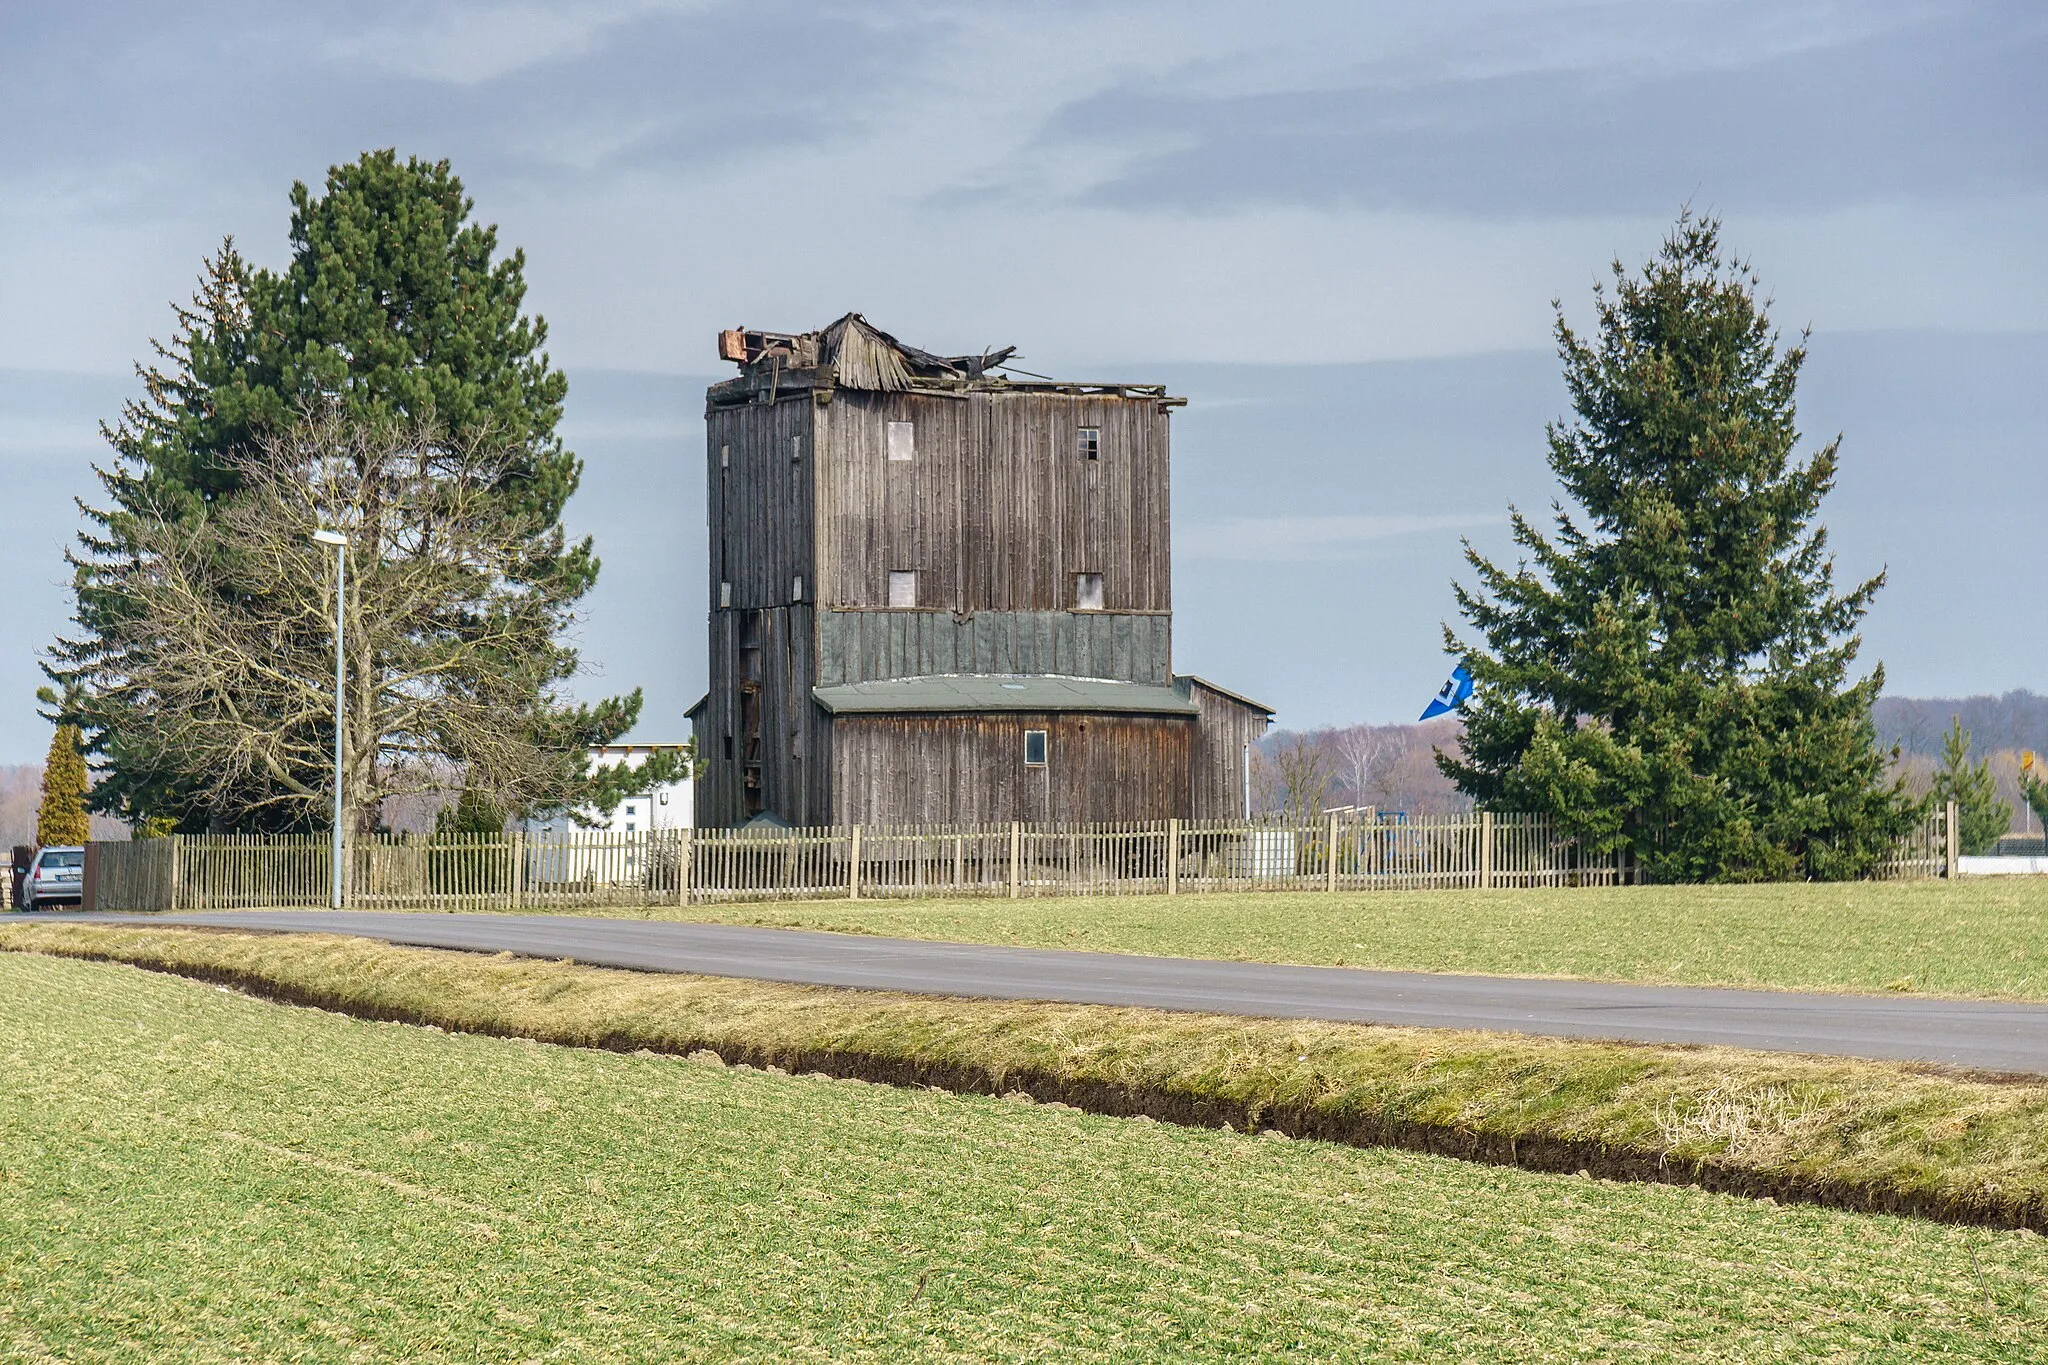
657	808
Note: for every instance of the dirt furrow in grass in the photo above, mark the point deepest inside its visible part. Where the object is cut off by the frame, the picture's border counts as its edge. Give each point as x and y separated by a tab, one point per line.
1851	1134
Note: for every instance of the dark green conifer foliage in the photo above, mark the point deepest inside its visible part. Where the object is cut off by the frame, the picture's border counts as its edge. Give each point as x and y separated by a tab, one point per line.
1667	671
2035	791
1980	815
394	304
472	813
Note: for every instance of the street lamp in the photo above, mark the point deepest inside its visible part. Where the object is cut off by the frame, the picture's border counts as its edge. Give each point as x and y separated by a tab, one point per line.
340	544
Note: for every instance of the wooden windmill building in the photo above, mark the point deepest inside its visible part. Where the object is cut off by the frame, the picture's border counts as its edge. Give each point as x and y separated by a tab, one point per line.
940	594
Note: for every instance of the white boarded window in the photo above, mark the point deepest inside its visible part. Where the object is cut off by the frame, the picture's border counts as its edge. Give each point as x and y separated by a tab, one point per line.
902	441
1034	748
1087	592
1088	442
902	587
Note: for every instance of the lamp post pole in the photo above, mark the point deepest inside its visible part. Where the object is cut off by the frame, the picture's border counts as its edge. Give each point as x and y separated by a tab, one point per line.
340	544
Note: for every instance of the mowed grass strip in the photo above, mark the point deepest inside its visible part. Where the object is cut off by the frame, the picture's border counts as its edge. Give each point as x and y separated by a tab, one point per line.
1984	936
1855	1134
190	1174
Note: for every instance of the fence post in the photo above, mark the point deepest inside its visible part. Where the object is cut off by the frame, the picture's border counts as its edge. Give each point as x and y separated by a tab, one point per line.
1173	857
1330	853
177	844
518	878
1486	850
1016	859
683	864
853	868
1952	850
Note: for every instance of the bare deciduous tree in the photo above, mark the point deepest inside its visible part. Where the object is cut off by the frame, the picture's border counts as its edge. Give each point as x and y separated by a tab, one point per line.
1364	753
451	642
1292	779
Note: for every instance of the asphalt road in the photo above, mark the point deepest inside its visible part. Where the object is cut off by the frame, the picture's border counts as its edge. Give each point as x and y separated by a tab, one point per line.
1981	1034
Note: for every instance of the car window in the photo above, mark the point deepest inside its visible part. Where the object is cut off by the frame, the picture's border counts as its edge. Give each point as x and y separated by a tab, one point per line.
69	859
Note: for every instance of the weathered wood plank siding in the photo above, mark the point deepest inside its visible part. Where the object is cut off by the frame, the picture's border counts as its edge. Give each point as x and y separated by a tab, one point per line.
998	509
1225	730
760	733
915	770
760	463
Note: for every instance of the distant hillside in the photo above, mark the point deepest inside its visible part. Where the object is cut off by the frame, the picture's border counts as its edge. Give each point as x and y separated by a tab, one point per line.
1392	766
2017	720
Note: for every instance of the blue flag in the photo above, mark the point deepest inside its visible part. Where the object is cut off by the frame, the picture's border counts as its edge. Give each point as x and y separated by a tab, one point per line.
1453	694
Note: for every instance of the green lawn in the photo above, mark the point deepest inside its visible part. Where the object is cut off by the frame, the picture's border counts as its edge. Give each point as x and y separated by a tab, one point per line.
186	1173
1986	937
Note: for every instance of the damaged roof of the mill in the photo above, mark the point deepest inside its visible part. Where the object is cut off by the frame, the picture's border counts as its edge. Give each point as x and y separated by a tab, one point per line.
853	353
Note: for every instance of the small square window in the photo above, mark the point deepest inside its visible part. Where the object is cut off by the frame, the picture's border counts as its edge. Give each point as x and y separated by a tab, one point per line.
728	746
1088	442
796	589
1034	748
629	827
796	449
725	594
902	441
664	798
903	587
725	457
629	810
1087	592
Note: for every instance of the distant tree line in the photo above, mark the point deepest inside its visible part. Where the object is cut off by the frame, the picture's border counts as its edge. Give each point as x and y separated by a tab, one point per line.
2015	721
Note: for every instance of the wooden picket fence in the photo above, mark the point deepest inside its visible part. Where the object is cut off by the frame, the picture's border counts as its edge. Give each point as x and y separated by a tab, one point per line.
1337	851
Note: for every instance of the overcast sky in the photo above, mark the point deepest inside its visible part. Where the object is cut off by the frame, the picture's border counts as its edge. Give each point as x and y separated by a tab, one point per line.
1337	228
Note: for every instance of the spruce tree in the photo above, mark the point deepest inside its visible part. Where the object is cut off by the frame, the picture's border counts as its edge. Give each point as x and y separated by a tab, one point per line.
2034	790
1980	815
61	817
396	307
1667	671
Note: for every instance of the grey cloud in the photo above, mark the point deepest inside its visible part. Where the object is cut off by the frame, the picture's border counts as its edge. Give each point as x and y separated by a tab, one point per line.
1949	106
197	106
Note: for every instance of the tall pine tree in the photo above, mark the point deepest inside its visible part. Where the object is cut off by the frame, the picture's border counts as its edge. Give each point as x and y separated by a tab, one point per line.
395	306
1667	671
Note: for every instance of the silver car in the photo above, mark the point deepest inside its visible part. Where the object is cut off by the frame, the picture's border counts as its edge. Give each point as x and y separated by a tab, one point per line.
57	875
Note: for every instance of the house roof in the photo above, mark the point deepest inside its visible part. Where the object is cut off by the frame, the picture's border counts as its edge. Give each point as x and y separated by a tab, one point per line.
961	693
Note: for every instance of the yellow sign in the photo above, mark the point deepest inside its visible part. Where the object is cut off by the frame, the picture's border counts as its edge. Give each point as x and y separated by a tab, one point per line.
2026	760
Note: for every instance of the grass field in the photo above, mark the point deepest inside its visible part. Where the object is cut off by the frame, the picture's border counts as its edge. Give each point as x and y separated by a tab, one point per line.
1854	1134
1982	937
186	1173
